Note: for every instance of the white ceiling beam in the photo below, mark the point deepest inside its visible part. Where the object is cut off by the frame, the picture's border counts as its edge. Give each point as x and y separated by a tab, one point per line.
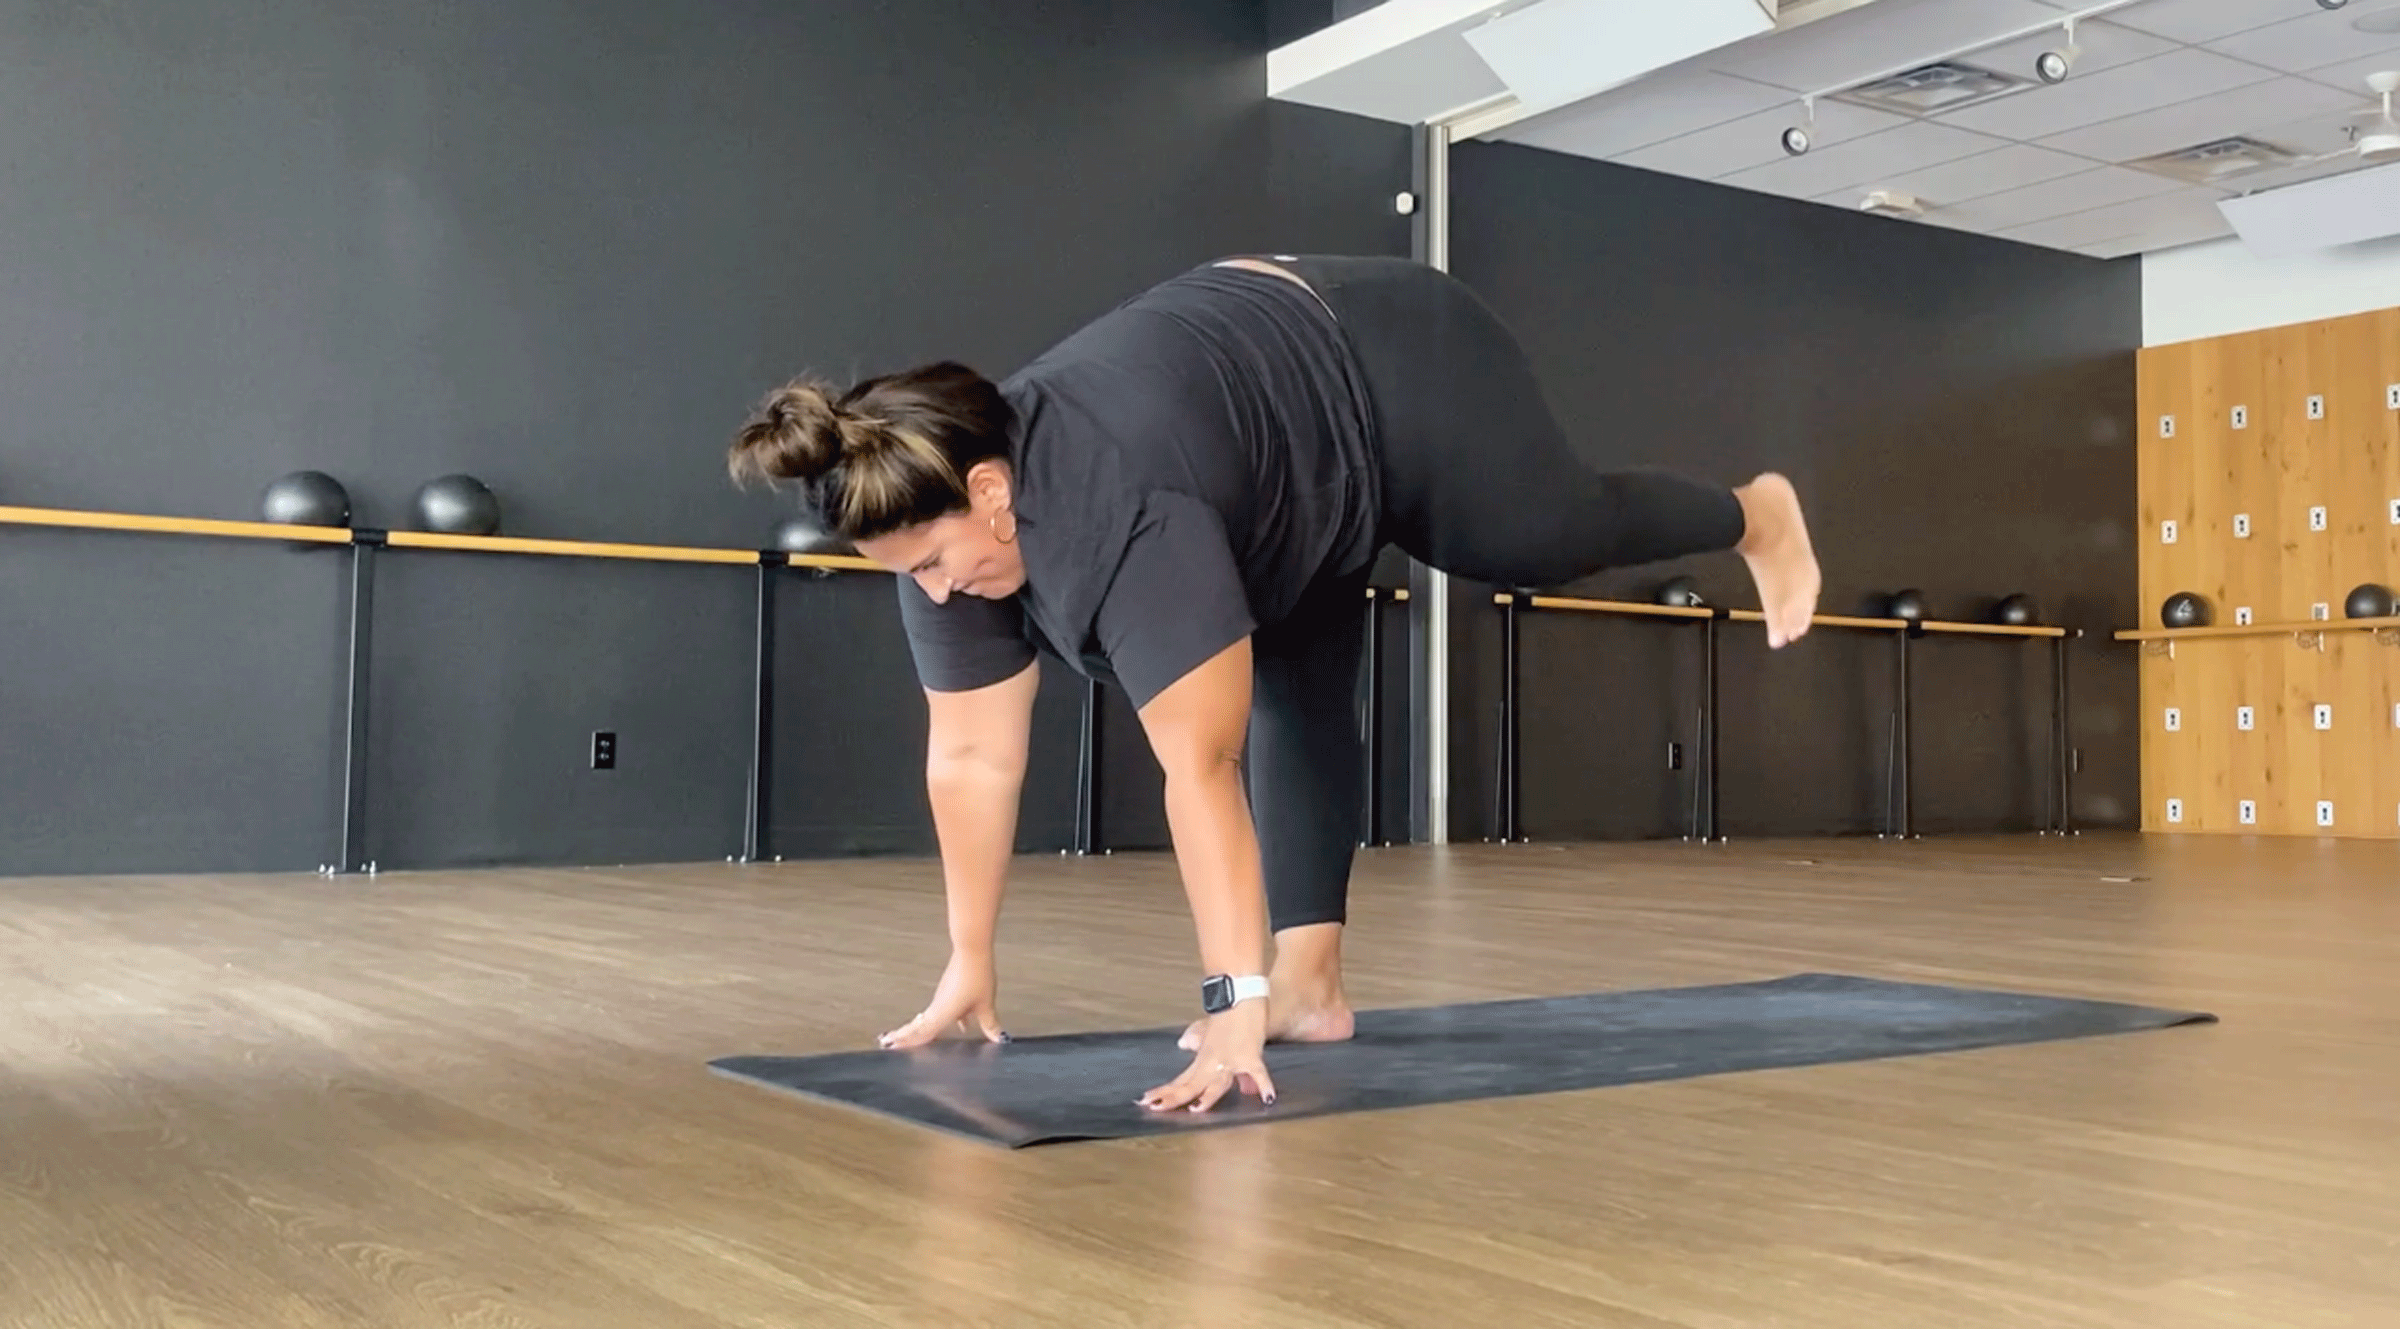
1562	51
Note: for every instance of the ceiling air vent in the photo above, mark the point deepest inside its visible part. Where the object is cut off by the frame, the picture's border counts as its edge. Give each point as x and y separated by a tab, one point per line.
2218	160
1932	89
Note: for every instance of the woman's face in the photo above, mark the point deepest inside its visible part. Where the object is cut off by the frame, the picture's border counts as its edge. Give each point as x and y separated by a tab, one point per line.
961	553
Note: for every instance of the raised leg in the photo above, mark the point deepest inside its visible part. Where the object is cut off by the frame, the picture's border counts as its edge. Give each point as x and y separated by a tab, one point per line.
1479	480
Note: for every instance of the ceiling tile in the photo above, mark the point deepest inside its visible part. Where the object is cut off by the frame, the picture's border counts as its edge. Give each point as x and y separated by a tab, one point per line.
2180	126
1755	140
2185	209
2319	38
2351	75
1969	178
1646	112
2166	233
2098	188
1896	34
2088	99
2203	20
1910	147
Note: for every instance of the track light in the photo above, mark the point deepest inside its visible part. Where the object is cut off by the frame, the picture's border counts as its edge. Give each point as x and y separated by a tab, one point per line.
2331	4
2054	66
1796	140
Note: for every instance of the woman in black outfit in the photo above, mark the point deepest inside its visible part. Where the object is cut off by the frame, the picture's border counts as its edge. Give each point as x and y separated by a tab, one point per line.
1184	498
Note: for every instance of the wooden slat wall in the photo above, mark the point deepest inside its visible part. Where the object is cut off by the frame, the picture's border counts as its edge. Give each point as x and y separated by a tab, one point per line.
2275	468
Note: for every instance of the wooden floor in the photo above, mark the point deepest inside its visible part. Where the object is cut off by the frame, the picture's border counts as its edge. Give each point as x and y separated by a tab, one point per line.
479	1099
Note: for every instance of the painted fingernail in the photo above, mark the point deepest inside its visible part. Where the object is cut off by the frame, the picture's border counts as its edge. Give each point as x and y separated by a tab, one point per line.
1270	1100
1005	1038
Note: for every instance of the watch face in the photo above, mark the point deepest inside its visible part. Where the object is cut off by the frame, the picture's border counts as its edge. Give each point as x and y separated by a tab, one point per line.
1216	993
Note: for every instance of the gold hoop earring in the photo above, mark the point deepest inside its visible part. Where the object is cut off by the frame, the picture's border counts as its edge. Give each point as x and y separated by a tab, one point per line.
1011	537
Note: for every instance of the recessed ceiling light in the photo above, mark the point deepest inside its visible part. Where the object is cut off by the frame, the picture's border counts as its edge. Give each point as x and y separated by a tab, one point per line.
2382	21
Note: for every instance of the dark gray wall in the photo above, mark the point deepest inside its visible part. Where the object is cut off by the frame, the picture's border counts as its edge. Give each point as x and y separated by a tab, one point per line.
1958	414
561	246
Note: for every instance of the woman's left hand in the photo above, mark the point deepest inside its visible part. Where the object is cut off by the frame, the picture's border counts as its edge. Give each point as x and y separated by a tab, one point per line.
1232	1054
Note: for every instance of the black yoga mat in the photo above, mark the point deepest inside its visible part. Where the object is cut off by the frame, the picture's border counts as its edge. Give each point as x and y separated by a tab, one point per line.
1082	1086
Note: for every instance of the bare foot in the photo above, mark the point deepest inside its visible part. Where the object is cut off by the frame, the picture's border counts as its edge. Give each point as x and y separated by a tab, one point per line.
1294	1021
1781	560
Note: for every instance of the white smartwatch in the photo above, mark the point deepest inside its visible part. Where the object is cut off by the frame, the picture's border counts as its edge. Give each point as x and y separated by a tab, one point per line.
1220	992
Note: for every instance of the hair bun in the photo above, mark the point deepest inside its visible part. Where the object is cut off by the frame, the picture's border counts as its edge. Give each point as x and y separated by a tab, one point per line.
796	434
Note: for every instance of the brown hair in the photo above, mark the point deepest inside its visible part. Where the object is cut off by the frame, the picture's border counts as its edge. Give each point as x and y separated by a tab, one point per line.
889	453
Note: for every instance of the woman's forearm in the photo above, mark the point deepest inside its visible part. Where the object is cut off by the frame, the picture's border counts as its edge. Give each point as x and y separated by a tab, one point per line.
975	821
1197	727
976	745
1216	848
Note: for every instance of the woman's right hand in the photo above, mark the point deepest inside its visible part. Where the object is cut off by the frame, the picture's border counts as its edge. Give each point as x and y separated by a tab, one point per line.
966	993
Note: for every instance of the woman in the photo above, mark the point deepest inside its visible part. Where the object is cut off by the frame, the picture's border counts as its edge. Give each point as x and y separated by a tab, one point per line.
1184	498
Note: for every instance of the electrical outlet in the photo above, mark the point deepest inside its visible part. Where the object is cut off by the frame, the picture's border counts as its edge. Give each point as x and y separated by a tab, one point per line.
604	750
2249	813
2166	426
2316	519
2391	397
2166	531
2241	616
2241	526
2396	715
1674	756
2245	719
2396	512
2174	720
2316	407
2320	611
2324	716
2175	810
2241	417
2325	812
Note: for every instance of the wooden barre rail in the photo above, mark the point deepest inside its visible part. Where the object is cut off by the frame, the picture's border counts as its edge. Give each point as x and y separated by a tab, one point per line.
2262	629
338	535
130	521
1610	606
1755	616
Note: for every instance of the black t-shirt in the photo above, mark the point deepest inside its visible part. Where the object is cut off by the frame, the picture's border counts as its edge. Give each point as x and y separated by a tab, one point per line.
1185	466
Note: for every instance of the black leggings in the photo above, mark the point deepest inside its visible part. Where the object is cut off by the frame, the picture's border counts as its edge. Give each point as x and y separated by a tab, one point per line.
1479	481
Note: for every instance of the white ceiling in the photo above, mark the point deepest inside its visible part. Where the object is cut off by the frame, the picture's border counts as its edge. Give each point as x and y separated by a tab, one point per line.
2045	164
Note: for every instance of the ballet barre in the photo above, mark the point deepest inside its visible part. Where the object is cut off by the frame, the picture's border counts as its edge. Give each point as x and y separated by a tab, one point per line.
1371	834
362	542
73	519
2309	634
1900	821
146	523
